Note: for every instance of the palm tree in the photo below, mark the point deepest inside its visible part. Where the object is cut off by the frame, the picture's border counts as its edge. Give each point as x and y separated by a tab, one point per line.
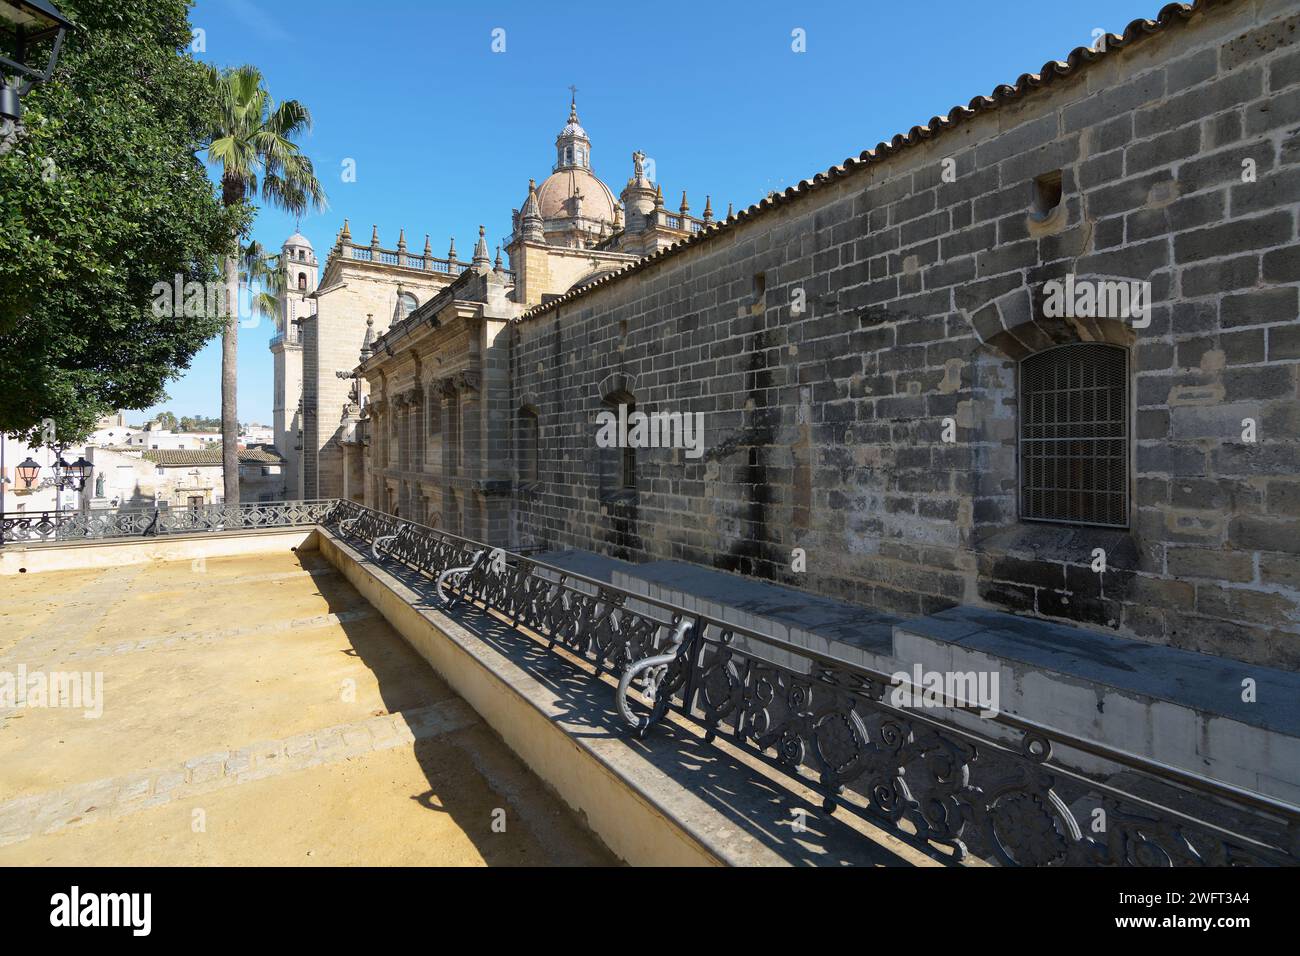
252	137
260	273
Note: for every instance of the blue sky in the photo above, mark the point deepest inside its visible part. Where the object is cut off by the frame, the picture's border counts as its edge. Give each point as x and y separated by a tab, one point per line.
445	133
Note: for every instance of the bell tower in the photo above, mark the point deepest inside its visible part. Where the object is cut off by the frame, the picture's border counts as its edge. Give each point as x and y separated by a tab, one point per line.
299	271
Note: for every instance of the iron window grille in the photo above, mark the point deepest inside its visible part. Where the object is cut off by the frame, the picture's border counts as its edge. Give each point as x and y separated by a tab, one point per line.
1074	446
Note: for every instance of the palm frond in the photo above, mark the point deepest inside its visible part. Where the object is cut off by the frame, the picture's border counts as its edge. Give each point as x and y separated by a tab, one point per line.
251	140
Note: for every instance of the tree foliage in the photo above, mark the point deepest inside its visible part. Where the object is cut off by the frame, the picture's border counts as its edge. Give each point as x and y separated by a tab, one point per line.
101	198
252	140
200	423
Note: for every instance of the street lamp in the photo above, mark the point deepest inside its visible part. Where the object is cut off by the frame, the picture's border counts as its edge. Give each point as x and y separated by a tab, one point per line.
66	475
27	472
25	24
80	472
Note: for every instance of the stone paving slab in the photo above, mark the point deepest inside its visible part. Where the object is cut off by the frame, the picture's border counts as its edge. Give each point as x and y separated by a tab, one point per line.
258	688
90	802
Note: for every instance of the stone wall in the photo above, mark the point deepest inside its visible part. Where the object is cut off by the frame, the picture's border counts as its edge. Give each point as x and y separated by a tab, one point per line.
350	291
1178	159
439	414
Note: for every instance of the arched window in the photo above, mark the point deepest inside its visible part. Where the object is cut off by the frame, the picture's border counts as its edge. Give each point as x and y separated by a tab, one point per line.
406	304
302	282
527	444
1074	447
618	464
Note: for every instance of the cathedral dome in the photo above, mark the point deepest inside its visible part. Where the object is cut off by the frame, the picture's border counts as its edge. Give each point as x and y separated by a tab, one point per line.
573	128
555	196
298	239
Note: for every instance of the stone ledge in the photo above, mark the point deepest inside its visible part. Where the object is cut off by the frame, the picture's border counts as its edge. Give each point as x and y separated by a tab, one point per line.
35	557
669	799
1167	704
1207	684
1175	706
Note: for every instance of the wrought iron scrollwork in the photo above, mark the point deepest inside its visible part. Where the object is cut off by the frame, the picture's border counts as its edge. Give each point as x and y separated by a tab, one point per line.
662	672
455	577
1000	796
47	526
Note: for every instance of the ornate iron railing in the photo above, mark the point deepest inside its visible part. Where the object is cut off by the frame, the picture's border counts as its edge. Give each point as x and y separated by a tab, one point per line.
993	788
998	792
30	526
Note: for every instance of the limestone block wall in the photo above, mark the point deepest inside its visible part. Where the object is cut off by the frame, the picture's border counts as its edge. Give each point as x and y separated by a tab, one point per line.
286	419
351	290
922	282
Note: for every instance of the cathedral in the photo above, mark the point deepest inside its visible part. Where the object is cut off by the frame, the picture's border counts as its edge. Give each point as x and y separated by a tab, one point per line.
888	412
571	230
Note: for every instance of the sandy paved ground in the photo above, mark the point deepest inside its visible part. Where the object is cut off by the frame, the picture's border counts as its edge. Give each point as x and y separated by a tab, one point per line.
255	710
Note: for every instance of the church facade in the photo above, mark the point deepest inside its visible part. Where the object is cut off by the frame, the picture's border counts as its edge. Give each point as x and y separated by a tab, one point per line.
570	230
897	409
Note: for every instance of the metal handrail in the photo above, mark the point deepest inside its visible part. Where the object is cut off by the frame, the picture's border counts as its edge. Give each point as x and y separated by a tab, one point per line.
1004	798
1051	734
571	608
27	527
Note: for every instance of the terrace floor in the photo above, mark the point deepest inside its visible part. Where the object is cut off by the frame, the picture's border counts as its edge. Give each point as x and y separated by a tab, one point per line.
255	710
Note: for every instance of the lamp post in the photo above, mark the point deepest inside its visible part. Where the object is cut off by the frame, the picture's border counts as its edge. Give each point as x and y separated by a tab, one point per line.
27	472
66	476
76	474
25	26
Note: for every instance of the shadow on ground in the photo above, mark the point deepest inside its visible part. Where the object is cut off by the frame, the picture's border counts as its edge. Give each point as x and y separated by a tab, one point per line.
453	763
761	808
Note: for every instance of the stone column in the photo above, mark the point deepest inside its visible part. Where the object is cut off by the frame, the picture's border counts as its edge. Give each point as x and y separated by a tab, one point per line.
471	430
417	429
448	399
375	452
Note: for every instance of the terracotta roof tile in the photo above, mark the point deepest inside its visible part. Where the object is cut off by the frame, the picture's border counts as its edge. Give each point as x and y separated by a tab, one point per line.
207	456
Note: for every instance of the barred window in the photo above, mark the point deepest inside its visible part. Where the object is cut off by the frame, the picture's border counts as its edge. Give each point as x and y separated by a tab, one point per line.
1074	435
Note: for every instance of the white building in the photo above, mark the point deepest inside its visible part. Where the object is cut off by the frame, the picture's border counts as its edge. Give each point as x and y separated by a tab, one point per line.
178	477
255	434
152	438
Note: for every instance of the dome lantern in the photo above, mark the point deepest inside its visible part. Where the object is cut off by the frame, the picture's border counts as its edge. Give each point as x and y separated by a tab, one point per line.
572	147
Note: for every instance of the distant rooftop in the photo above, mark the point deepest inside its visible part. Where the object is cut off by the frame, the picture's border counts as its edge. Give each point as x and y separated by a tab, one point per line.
209	456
